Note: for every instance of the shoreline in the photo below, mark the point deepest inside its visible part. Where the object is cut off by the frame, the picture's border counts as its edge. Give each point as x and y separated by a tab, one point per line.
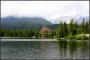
40	40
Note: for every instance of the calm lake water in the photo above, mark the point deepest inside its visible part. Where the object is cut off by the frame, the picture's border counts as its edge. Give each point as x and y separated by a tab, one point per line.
44	50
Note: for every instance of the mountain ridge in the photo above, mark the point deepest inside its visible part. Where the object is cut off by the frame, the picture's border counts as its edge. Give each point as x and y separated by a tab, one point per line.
23	23
12	22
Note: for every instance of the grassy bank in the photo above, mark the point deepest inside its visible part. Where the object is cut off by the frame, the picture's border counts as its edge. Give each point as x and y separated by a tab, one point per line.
82	36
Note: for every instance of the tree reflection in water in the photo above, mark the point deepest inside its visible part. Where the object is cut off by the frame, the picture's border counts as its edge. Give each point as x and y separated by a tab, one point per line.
74	49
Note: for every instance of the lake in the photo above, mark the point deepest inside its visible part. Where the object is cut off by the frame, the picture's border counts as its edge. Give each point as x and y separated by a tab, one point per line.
44	49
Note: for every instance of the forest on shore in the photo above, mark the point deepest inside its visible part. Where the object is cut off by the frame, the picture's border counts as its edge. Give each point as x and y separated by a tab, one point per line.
73	30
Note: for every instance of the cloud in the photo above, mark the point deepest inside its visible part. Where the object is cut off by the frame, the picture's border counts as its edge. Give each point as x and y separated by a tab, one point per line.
46	9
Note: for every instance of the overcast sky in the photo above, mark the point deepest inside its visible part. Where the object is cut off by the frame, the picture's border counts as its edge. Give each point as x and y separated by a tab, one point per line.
45	9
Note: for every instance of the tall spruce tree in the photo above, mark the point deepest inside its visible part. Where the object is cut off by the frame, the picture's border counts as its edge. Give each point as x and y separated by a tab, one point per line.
65	30
59	32
83	26
71	27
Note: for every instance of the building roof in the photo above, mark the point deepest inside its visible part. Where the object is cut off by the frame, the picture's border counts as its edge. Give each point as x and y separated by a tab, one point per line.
44	29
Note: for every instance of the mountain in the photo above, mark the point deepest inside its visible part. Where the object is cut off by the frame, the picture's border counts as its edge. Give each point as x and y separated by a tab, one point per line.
23	22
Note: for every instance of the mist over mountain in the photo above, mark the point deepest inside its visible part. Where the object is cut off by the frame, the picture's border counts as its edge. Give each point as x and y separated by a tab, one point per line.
67	19
12	22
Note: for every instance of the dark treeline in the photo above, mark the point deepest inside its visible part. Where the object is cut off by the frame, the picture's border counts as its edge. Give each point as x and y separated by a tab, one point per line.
72	29
18	33
63	30
24	33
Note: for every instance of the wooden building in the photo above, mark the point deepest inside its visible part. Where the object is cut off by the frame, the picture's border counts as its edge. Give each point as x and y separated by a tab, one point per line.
45	32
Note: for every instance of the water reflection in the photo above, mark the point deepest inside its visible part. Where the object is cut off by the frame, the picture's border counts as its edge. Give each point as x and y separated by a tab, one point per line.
45	50
63	49
74	49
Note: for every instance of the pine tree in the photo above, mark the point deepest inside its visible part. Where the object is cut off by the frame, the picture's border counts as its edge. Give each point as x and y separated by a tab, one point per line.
65	30
60	31
87	27
71	27
83	26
